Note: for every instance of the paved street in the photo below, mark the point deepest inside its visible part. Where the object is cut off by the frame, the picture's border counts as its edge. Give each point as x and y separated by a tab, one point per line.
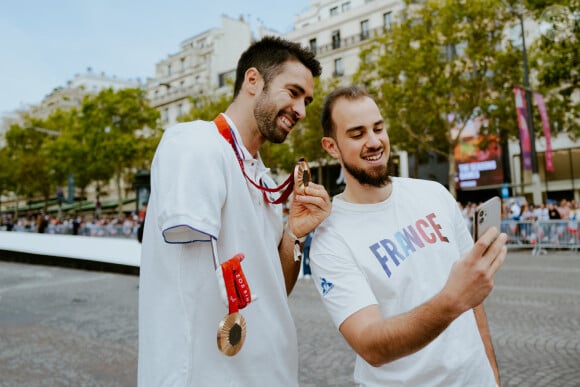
70	327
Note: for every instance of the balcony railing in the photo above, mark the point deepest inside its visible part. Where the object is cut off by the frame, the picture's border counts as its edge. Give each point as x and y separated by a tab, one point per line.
349	41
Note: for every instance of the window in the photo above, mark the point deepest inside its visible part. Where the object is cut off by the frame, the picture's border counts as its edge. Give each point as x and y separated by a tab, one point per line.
333	11
182	62
313	46
338	67
169	69
387	20
222	79
364	29
345	6
335	39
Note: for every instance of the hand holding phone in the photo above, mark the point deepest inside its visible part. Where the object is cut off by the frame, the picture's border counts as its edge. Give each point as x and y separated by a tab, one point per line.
486	215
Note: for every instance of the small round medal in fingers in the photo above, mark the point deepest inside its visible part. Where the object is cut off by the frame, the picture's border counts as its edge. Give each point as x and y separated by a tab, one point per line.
302	176
231	334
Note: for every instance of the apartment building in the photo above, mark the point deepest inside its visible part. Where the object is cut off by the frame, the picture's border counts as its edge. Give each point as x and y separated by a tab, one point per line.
71	95
336	29
203	64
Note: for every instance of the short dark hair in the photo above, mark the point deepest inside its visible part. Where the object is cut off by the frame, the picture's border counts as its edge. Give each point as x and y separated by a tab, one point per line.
350	93
269	55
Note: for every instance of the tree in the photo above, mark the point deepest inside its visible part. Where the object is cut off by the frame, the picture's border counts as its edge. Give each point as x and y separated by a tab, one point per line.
555	57
445	63
110	129
26	154
7	181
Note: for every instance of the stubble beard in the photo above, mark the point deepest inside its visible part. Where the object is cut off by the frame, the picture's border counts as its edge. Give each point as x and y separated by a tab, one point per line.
266	119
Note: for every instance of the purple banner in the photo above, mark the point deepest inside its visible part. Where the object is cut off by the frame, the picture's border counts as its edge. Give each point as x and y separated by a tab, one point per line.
520	98
546	124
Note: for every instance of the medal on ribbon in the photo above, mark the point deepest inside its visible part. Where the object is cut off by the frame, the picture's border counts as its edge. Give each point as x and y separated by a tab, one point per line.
231	332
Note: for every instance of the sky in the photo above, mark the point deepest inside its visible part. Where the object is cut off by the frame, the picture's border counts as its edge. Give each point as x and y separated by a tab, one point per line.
44	44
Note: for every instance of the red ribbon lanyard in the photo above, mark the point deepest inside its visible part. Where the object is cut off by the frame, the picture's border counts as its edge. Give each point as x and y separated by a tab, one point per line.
226	132
237	288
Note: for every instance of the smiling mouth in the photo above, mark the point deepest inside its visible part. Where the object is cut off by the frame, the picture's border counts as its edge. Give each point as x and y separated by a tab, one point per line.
374	157
288	123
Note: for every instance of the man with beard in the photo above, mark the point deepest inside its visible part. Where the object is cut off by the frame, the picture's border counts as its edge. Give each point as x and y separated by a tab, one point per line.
213	204
396	266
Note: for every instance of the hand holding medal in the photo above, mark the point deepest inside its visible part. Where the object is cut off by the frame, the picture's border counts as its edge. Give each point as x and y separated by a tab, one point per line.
310	205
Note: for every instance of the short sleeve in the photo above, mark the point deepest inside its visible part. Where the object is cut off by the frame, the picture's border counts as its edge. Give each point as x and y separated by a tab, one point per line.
339	280
188	175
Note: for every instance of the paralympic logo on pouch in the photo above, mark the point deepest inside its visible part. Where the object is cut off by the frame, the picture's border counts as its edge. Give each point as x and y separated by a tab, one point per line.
326	286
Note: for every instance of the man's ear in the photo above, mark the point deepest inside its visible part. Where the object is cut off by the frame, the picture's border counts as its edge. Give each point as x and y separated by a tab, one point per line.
253	80
330	147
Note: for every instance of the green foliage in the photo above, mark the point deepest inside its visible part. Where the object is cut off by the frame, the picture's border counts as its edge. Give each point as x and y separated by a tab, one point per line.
207	107
26	153
440	64
556	60
105	137
6	172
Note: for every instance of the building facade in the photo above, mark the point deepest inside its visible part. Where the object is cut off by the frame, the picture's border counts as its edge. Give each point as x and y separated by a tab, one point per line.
203	65
71	95
335	30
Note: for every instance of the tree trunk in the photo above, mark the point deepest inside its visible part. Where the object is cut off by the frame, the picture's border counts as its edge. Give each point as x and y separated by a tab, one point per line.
119	195
452	174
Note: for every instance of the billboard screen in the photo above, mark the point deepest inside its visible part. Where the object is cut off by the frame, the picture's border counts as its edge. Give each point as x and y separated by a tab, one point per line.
478	157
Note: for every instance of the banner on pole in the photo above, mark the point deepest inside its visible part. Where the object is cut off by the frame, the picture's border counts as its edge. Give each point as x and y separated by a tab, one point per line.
546	124
520	99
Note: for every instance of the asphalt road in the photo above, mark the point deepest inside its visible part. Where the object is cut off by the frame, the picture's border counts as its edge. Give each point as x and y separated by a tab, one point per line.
72	327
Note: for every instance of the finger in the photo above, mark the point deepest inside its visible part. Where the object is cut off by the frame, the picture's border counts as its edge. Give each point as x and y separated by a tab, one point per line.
496	248
310	200
498	260
485	241
314	190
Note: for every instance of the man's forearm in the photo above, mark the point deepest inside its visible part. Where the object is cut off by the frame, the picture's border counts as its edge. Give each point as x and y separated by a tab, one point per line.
290	267
483	326
383	341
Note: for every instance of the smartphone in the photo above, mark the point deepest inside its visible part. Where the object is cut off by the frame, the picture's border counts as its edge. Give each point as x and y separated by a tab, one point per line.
486	215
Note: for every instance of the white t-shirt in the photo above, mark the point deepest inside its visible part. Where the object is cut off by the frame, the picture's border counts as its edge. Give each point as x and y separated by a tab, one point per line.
198	191
397	254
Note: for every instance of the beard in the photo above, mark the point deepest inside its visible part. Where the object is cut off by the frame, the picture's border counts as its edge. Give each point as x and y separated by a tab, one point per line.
376	177
266	115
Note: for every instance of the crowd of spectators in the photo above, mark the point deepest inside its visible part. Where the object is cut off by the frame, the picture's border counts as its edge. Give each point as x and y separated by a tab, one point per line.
520	213
551	222
103	225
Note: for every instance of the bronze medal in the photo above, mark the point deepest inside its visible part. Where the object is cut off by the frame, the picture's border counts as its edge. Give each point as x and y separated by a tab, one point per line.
231	334
302	175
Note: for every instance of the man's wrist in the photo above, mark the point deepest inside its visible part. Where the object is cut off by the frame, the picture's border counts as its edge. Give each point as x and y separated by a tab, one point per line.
298	243
300	240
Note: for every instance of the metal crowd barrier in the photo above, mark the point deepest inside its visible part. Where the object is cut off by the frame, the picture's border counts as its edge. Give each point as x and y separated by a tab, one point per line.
542	235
